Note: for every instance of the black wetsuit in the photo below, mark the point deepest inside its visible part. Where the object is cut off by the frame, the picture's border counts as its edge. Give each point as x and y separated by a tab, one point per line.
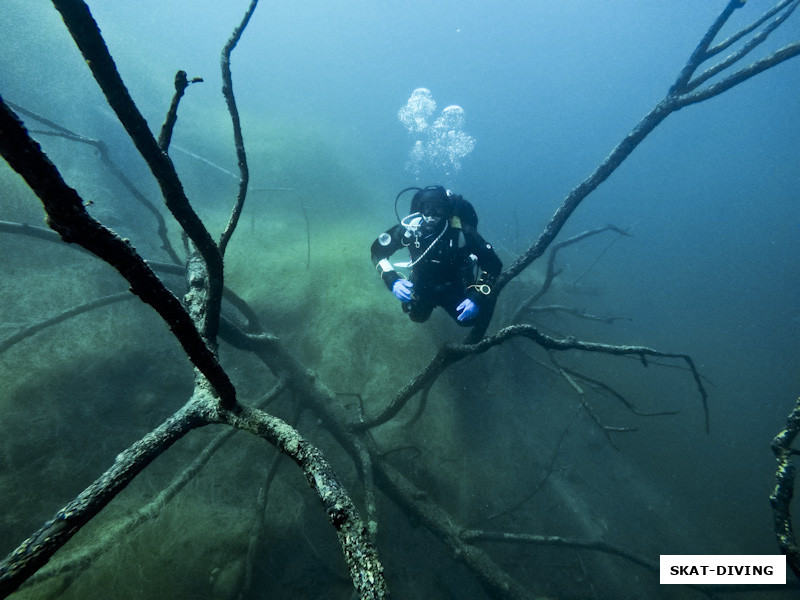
449	264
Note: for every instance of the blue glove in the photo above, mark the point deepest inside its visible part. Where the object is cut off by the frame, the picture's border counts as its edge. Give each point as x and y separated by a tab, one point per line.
403	288
467	309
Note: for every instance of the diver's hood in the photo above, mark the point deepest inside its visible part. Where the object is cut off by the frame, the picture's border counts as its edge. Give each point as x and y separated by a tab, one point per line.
433	201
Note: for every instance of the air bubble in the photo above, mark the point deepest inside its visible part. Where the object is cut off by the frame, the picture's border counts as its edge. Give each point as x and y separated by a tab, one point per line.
439	146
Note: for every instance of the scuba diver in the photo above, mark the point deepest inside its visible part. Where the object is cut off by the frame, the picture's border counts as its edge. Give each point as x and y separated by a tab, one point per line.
452	266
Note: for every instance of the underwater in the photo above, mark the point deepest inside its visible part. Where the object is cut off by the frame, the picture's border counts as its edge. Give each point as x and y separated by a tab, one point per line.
234	363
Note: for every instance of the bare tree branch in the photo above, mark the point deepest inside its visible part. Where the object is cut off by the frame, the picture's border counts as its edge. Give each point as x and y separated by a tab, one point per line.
253	322
366	570
759	66
451	353
257	531
606	430
41	233
675	99
607	389
80	561
701	51
576	196
743	51
729	41
85	32
423	402
227	92
68	217
361	557
497	583
403	492
781	497
102	152
551	273
37	550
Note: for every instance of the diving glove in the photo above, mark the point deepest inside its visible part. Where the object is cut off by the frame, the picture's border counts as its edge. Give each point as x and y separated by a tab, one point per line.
466	310
403	289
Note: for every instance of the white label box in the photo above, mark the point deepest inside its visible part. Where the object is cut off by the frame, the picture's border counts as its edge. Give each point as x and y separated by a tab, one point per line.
723	568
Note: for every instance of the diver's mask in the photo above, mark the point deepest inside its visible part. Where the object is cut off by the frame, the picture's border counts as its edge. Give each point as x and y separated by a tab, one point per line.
423	231
418	223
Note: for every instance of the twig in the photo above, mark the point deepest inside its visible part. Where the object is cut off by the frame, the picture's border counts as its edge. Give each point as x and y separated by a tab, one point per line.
423	379
451	353
416	452
423	401
547	472
308	234
303	210
245	582
574	312
605	388
181	83
204	160
420	505
41	233
80	561
785	53
679	367
700	53
606	429
472	536
572	383
27	332
729	41
600	255
551	271
366	472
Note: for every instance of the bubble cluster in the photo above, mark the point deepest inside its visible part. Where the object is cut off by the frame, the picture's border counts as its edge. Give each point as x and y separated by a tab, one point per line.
439	146
419	108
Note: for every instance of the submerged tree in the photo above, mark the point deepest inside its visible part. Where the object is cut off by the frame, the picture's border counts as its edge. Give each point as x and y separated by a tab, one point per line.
201	318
